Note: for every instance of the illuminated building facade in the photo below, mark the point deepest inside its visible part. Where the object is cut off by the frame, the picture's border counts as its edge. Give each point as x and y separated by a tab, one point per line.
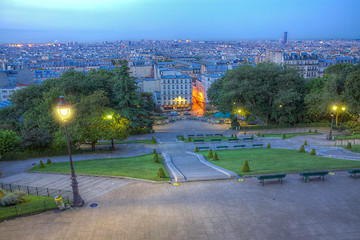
176	92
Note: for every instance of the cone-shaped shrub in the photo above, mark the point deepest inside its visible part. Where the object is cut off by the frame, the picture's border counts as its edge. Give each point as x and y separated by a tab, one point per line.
189	139
252	136
313	152
263	135
235	136
41	164
154	152
302	149
182	138
244	133
153	140
259	135
268	146
161	173
316	131
348	146
210	154
48	161
309	130
246	167
305	143
196	149
283	137
232	135
156	158
215	158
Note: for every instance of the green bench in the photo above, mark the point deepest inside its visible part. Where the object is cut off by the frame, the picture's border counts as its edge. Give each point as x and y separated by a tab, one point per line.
218	135
208	135
233	139
354	172
200	135
191	135
248	139
258	145
221	147
239	146
307	175
262	178
198	141
203	148
215	140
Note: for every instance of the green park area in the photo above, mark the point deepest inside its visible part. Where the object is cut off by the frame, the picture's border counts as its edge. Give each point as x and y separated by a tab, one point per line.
145	141
29	204
355	136
354	148
265	161
142	167
289	135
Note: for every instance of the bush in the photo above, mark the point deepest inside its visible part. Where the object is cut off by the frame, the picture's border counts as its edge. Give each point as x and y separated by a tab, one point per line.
305	143
153	139
309	130
8	140
41	164
138	131
154	152
59	141
189	139
182	138
259	134
252	136
196	149
268	146
9	199
232	135
161	173
36	138
316	131
156	158
48	161
210	154
313	152
302	149
246	167
348	146
235	136
215	158
283	137
263	135
20	195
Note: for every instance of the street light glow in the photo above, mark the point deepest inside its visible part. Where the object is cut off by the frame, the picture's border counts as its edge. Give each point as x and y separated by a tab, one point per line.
343	108
63	109
334	107
109	116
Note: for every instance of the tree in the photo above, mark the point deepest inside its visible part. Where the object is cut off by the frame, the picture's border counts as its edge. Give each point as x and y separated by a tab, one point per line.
115	127
352	91
8	141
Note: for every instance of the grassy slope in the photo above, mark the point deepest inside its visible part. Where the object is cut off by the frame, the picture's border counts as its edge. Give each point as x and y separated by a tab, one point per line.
263	161
142	167
289	135
146	141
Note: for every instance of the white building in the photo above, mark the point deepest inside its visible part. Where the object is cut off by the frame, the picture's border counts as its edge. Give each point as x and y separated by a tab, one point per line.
176	92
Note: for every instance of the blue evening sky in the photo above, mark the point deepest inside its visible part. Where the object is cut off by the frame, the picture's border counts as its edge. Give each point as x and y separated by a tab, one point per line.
99	20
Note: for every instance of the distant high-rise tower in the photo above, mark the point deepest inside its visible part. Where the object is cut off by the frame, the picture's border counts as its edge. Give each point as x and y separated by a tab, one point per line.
285	38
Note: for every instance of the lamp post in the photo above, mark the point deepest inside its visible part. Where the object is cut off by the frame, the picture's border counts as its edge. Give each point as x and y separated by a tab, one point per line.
332	121
64	112
342	115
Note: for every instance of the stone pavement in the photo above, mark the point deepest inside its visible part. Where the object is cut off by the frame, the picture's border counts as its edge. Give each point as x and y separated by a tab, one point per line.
207	210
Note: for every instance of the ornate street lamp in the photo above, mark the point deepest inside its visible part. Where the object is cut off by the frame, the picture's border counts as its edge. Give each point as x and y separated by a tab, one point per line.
342	116
64	112
332	121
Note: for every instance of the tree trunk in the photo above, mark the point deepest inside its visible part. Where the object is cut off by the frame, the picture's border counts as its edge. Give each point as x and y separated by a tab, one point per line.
112	145
93	146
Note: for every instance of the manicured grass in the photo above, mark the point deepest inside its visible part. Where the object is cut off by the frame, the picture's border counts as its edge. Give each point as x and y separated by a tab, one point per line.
264	161
354	148
289	135
142	167
348	137
146	141
30	204
207	139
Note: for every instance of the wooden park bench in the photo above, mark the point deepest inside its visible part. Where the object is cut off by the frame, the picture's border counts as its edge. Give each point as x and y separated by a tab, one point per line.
239	146
222	147
203	148
198	141
215	140
258	145
233	139
307	175
354	172
271	176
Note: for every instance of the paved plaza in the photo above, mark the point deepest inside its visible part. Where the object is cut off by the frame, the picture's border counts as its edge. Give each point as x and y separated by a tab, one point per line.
213	209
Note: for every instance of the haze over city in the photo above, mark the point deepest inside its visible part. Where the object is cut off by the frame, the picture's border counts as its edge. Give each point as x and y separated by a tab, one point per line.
89	21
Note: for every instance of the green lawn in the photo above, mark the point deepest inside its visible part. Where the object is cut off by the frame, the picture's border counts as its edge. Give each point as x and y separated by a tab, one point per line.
207	139
264	161
142	167
31	204
348	137
289	135
354	148
146	141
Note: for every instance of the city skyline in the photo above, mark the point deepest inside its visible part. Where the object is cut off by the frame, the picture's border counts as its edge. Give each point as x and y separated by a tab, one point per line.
108	20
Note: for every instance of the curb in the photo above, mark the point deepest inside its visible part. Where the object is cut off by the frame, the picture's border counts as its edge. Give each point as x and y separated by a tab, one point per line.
173	171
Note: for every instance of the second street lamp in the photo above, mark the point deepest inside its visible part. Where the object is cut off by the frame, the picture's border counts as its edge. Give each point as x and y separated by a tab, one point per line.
332	121
64	112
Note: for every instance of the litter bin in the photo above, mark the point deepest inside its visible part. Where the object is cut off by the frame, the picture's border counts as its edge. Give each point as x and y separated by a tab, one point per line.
59	202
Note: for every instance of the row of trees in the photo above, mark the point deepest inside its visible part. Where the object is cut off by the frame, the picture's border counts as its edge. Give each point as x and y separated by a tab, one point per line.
104	105
279	95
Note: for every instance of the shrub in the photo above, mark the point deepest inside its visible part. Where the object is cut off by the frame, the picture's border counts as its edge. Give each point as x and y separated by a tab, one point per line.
302	149
235	136
232	135
283	137
36	138
153	139
10	199
2	192
252	136
263	135
48	161
309	130
161	173
8	140
210	154
305	143
268	146
59	141
313	152
196	149
189	139
244	133
215	158
20	195
182	138
41	164
348	146
154	152
246	167
259	134
156	158
316	131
